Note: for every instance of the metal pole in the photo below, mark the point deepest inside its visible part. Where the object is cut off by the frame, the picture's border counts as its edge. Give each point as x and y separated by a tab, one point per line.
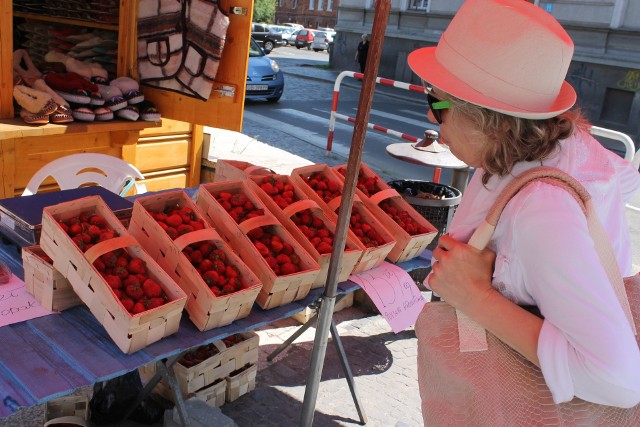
325	315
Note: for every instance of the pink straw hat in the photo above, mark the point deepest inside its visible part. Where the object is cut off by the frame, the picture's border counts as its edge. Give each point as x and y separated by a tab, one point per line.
505	55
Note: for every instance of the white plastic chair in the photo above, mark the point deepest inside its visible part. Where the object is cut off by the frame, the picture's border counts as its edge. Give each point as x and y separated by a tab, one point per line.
75	170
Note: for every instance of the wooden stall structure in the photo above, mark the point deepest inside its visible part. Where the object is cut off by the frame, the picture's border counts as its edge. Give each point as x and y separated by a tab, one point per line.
169	152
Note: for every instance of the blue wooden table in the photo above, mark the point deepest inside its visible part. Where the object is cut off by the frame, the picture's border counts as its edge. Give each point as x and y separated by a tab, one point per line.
51	356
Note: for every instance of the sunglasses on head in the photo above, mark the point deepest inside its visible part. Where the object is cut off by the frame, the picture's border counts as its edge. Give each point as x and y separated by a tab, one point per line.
435	105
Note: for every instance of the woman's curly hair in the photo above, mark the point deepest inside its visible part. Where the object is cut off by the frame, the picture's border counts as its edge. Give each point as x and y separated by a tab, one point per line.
510	140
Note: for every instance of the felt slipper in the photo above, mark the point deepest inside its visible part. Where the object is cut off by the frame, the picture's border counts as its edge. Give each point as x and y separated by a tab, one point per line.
83	113
34	101
61	115
148	111
23	65
99	80
103	114
129	113
69	88
34	119
130	89
113	97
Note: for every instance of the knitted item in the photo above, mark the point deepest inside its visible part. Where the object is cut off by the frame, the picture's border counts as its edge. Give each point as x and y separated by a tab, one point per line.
113	97
130	89
129	113
83	113
103	114
180	44
34	101
34	119
61	115
148	112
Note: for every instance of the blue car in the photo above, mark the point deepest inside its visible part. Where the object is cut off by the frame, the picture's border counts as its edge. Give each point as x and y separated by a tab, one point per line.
264	77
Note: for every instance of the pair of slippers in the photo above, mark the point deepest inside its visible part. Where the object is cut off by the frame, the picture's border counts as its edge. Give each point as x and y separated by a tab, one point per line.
145	111
121	92
74	88
39	107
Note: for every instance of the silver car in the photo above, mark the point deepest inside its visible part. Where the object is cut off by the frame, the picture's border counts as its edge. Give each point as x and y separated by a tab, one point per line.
322	40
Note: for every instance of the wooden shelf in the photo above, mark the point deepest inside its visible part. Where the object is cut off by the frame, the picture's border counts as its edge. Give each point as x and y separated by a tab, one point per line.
16	128
66	21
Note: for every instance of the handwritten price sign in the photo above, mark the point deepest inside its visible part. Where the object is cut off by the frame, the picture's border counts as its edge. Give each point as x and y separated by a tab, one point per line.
17	305
394	293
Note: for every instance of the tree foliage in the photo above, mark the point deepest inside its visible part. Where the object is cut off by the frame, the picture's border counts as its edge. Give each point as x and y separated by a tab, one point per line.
264	11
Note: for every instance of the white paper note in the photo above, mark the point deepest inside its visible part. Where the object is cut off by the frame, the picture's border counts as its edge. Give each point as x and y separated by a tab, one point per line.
394	293
17	305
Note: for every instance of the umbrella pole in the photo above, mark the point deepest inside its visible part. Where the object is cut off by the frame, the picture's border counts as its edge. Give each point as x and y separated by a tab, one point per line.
325	315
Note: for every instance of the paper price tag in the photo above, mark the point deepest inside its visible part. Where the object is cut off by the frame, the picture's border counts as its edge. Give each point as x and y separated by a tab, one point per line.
394	293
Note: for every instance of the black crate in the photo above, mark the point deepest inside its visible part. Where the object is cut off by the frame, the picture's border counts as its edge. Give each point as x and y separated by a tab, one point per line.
438	212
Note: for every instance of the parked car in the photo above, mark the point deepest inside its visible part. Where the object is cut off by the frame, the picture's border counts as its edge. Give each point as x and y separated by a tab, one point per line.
266	37
285	32
265	80
321	41
294	26
304	38
292	37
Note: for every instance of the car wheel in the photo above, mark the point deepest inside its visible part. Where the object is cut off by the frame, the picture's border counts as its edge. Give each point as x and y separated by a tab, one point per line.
317	50
297	47
268	45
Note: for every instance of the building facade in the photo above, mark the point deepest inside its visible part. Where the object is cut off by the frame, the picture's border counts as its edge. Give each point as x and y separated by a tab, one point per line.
605	70
310	13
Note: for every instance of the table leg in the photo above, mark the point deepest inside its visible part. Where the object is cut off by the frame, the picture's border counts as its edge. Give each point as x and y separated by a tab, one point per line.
347	371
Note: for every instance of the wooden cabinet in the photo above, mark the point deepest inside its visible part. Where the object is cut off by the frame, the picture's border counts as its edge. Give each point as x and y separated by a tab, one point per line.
167	153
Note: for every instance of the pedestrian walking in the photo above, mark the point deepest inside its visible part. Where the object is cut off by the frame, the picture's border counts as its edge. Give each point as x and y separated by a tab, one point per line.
362	52
495	85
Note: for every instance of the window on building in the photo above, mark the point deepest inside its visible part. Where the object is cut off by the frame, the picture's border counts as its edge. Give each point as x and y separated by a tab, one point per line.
295	4
329	5
616	106
280	3
319	4
419	5
311	4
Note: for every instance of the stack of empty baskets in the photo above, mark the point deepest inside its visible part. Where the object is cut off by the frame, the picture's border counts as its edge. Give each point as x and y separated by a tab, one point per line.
436	202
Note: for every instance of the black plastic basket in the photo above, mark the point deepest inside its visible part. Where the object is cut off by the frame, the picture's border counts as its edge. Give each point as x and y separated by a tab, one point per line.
438	212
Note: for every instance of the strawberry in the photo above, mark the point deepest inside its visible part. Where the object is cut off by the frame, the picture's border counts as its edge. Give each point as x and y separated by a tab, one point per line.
172	232
75	229
210	277
128	304
151	289
216	291
134	290
174	220
228	289
99	265
138	308
121	272
288	268
184	229
205	265
131	280
324	248
218	254
283	259
197	225
195	257
113	281
262	249
137	266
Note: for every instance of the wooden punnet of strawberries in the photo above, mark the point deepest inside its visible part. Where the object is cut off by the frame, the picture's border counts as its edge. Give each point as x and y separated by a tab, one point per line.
369	186
126	275
209	260
278	254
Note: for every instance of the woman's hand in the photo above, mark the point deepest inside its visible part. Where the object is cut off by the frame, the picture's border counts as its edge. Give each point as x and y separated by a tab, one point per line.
462	276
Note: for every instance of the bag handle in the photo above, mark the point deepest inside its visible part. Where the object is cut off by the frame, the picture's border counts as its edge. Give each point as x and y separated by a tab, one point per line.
472	335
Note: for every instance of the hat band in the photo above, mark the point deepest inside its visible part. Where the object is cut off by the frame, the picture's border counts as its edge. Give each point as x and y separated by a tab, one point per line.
490	85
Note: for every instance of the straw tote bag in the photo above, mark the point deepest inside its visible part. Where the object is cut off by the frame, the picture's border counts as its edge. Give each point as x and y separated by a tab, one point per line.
468	377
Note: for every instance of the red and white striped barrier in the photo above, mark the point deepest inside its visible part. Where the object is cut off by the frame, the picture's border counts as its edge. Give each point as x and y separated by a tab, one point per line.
380	80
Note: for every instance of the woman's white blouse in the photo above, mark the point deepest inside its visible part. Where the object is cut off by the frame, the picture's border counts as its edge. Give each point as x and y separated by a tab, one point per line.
545	257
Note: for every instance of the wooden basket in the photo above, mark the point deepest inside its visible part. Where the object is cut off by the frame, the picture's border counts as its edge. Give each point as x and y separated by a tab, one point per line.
242	382
371	257
205	373
205	310
407	246
232	170
49	287
352	252
129	332
276	290
243	353
69	410
215	394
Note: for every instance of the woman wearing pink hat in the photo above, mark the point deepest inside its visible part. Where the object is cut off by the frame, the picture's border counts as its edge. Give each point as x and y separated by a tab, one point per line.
496	86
